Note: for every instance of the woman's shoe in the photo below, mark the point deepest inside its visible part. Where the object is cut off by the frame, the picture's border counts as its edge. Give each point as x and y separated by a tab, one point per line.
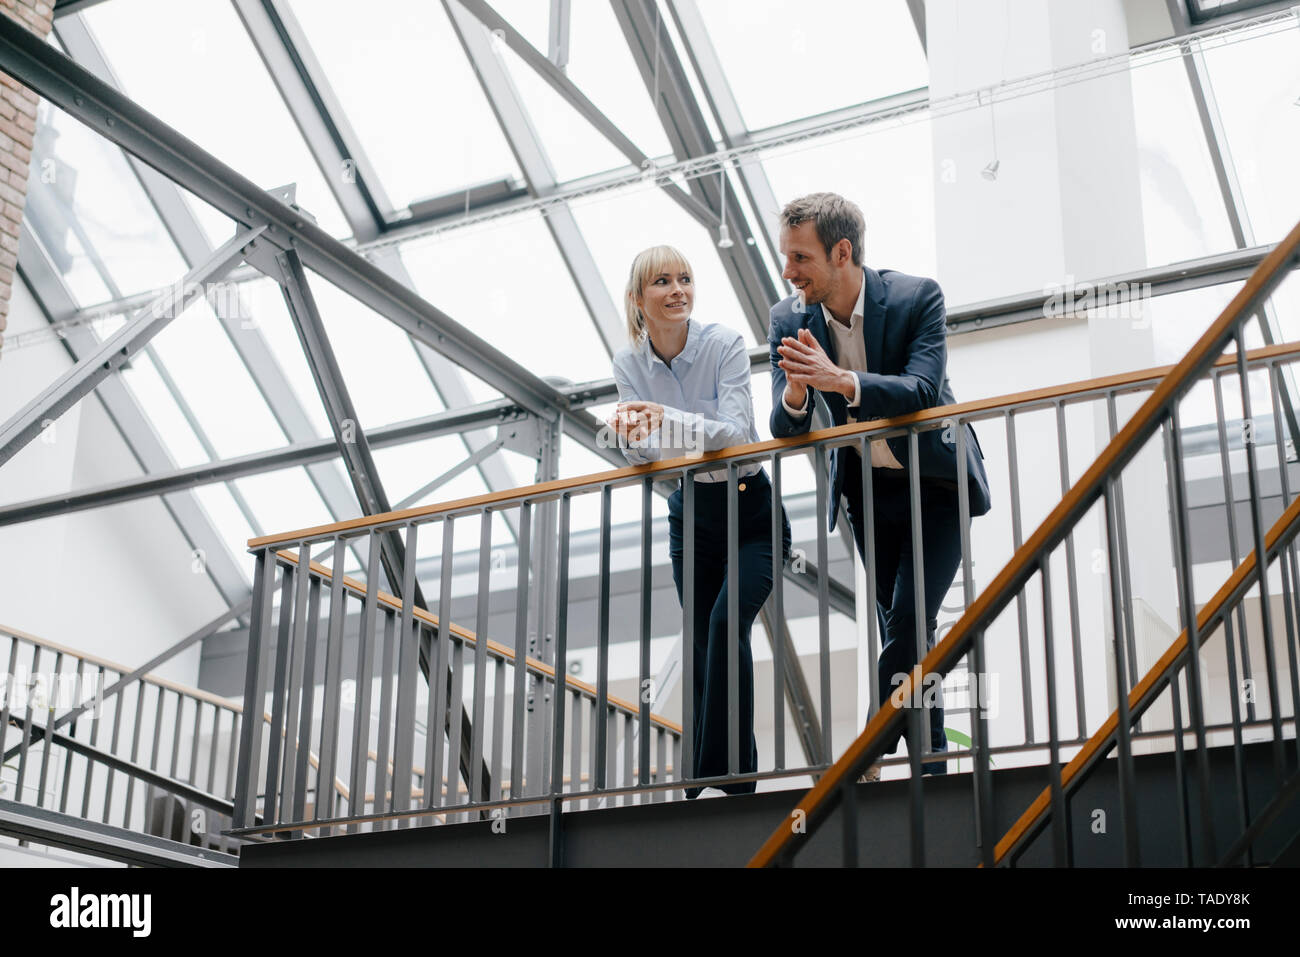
870	774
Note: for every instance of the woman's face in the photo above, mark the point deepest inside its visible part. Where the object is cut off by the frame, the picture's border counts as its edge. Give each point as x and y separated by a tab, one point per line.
668	297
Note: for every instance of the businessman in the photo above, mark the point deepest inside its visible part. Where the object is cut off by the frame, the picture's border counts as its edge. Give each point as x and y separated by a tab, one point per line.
872	344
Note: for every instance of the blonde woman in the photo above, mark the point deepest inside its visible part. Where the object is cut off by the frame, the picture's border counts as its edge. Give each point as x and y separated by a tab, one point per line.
683	388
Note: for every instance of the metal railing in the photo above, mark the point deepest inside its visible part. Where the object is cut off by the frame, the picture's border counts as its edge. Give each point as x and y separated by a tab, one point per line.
578	763
83	736
484	746
1130	458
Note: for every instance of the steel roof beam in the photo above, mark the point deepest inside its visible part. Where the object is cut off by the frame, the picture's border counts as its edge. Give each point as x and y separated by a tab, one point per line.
86	98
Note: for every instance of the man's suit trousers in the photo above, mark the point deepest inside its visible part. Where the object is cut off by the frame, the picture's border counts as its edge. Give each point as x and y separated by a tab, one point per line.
895	577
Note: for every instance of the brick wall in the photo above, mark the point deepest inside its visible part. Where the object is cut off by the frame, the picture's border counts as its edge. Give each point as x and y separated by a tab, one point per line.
17	127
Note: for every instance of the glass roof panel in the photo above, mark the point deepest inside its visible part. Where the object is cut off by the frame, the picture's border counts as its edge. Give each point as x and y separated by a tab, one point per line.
393	72
900	219
268	317
216	385
152	394
1259	100
1182	208
618	225
81	188
230	523
507	283
857	51
384	377
196	69
573	146
284	500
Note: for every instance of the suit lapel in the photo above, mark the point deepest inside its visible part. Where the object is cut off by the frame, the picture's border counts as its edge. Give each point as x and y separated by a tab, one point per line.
873	321
817	326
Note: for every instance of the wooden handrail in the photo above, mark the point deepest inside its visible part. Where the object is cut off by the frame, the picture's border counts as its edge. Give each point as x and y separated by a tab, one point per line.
1080	389
1146	690
1053	529
535	665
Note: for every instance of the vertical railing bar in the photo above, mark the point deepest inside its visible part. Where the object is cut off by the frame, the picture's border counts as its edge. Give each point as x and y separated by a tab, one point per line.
112	746
6	707
869	563
645	689
298	678
916	797
1288	567
94	738
661	764
1022	613
47	742
1071	575
918	584
480	658
1234	553
72	733
778	617
456	711
1180	773
1128	816
367	630
602	667
440	686
689	718
169	814
307	719
1125	578
823	598
519	784
628	750
153	766
498	724
1060	844
982	790
254	688
734	729
408	670
611	750
1257	524
387	655
331	681
275	746
575	741
1230	643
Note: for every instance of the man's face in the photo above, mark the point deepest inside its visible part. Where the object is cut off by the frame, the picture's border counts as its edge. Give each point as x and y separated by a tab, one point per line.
807	267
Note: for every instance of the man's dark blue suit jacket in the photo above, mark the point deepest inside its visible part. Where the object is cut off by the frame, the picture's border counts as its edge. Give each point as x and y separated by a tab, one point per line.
907	350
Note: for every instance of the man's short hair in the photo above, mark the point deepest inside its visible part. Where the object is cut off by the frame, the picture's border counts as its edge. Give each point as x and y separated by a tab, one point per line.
834	217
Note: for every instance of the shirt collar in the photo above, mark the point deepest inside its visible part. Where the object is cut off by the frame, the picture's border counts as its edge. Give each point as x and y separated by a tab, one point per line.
859	310
685	357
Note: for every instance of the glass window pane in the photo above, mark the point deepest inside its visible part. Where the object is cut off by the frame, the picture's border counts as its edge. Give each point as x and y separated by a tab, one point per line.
618	225
791	58
216	385
507	283
1255	84
383	375
394	71
1182	207
82	189
196	69
857	164
151	393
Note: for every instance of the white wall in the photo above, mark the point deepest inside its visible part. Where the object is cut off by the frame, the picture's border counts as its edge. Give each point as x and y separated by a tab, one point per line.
115	581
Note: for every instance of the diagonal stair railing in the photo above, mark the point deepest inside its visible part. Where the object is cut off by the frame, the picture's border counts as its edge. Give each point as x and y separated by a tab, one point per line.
1100	490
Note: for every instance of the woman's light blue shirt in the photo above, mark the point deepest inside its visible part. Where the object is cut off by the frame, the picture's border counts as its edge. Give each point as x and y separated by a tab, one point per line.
705	393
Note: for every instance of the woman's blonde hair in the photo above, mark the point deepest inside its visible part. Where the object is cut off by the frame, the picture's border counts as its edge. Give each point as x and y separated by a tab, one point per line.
648	264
